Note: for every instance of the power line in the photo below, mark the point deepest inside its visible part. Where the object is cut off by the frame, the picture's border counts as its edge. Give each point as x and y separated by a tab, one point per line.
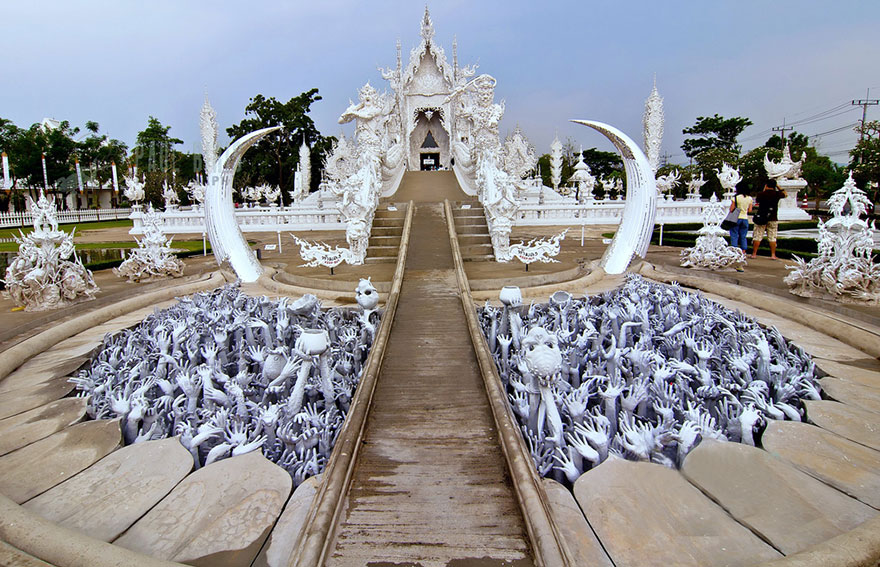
842	128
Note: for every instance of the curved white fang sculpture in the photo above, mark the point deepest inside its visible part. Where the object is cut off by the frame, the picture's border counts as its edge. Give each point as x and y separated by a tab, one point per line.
634	233
223	231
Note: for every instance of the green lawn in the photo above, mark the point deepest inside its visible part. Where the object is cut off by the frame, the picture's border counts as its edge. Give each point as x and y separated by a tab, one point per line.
80	227
188	245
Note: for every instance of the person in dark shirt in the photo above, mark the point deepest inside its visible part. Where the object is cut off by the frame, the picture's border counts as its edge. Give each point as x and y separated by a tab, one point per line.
766	218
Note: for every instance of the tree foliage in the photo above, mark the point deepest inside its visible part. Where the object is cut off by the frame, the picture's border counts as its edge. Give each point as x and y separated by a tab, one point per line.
274	159
865	157
714	132
602	164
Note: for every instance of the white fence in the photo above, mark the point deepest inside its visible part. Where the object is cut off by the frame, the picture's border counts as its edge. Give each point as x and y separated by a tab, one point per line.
602	212
256	219
25	218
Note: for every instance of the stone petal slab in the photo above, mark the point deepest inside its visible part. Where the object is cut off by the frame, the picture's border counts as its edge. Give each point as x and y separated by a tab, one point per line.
841	463
111	495
24	399
852	393
218	516
787	507
39	423
38	467
849	372
646	514
581	541
279	550
28	377
12	557
855	424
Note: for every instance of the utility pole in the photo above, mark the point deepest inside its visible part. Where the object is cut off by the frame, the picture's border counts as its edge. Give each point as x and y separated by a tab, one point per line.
781	130
864	103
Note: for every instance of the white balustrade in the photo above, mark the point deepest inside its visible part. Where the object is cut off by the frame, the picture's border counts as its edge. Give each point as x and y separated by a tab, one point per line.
250	219
26	218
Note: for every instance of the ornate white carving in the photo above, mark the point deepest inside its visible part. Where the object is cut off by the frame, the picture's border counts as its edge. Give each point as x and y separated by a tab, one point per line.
537	250
208	127
41	277
584	179
728	177
134	189
653	123
556	163
712	250
154	258
196	192
694	186
634	233
844	268
518	158
666	183
303	175
786	168
169	194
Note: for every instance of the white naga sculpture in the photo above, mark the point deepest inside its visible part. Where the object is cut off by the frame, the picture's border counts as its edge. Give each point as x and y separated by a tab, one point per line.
729	178
154	258
694	186
844	268
712	250
538	249
666	183
41	276
653	124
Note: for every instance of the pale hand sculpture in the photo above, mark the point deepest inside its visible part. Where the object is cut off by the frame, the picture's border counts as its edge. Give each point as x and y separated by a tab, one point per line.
712	250
41	276
154	258
844	268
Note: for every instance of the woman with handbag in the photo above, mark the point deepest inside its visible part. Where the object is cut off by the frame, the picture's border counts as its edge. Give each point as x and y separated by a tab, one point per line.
740	208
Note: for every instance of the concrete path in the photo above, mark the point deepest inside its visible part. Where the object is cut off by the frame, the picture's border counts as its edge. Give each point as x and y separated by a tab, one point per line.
430	486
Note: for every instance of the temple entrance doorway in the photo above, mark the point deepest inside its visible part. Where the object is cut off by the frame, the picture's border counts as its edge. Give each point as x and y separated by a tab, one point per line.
430	162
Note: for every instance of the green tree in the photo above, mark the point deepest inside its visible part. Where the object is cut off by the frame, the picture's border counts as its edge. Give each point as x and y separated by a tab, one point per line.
865	158
96	154
156	158
715	132
274	158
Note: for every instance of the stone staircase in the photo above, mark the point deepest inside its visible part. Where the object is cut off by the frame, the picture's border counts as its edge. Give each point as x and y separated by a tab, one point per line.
473	231
386	233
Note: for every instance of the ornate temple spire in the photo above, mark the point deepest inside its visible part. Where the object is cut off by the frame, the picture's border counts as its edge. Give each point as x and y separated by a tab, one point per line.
399	59
209	128
455	55
427	26
653	123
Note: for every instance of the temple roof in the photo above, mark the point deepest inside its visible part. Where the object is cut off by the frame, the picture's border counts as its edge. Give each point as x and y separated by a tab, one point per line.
427	45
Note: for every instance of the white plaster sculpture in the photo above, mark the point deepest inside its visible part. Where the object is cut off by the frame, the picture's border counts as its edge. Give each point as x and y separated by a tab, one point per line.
538	249
556	163
787	174
583	179
154	258
844	268
321	254
41	276
209	130
666	183
134	189
303	175
694	185
729	177
643	372
229	374
653	124
196	192
634	233
786	168
169	194
518	159
712	250
226	238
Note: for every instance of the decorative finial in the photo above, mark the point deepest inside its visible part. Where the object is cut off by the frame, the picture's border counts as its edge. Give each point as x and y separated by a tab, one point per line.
427	26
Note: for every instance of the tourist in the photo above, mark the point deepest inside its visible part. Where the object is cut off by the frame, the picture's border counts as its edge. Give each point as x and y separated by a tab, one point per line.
765	218
739	232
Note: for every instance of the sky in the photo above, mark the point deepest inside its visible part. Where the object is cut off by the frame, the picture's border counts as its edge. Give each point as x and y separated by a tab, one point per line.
778	61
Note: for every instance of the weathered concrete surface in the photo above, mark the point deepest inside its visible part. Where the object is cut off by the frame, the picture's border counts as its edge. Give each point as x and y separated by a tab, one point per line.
279	548
578	534
646	514
861	426
25	428
47	369
219	516
12	557
852	393
859	547
111	495
430	485
841	463
787	507
32	470
30	397
850	372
